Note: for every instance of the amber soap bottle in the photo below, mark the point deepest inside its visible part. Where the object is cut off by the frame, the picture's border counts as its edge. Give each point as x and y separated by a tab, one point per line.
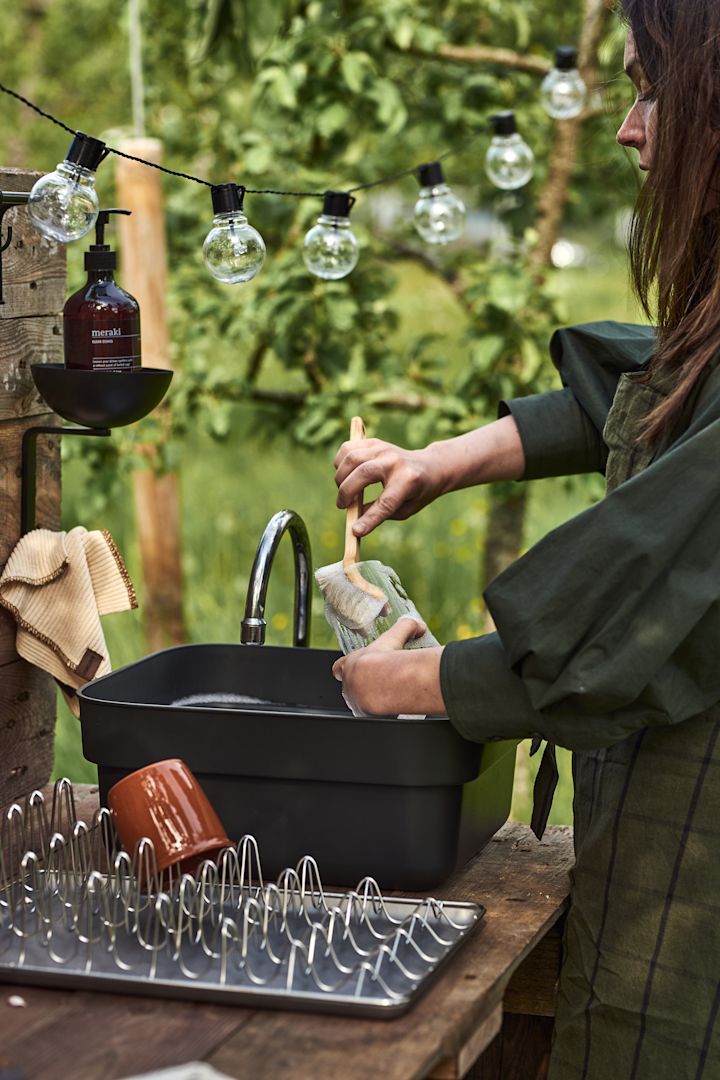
101	321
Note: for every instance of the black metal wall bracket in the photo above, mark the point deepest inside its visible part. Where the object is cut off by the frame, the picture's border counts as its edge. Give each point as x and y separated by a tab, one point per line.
28	481
8	199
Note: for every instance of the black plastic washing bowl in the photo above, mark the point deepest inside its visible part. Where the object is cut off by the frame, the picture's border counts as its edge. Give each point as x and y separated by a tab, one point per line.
405	800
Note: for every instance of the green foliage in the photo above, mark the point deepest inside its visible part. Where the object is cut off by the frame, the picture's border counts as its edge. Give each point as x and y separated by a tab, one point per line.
312	94
309	94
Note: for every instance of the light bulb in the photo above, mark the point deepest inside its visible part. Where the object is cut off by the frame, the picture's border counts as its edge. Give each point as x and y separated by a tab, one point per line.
63	204
439	215
509	162
330	248
563	93
233	251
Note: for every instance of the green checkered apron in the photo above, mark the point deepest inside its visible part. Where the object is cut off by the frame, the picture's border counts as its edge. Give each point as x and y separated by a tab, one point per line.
640	984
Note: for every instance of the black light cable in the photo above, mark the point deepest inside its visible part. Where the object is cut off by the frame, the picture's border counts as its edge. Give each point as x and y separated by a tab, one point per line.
233	250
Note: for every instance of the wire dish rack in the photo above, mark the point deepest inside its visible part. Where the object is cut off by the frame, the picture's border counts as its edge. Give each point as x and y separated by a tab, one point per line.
75	911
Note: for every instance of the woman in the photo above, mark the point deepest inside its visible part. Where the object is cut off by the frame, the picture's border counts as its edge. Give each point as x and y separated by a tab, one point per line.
609	629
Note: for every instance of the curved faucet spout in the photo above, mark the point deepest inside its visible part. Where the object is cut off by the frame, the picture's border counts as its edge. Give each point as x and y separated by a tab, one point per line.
252	628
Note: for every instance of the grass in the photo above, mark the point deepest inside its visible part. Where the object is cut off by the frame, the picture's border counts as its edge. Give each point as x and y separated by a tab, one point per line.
230	490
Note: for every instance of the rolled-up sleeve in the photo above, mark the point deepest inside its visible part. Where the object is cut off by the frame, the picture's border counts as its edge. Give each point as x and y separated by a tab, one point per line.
478	670
558	437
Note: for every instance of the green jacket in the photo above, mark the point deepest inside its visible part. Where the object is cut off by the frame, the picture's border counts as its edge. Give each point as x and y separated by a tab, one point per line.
611	622
607	643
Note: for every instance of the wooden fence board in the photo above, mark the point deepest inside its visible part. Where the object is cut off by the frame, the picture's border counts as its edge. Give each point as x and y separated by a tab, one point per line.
30	330
34	267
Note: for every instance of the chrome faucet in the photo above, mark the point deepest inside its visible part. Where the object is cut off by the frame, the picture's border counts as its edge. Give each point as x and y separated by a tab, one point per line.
252	628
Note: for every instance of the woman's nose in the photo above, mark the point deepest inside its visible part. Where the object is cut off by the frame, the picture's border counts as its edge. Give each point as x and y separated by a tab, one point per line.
632	132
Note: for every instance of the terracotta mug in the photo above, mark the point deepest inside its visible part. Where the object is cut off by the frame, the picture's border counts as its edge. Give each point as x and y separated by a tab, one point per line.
165	803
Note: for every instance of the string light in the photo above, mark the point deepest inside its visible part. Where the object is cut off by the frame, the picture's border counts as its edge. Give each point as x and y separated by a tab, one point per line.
330	248
233	250
63	204
563	92
439	215
509	162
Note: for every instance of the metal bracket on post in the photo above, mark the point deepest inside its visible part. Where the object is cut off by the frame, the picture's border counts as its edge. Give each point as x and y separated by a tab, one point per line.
8	199
28	488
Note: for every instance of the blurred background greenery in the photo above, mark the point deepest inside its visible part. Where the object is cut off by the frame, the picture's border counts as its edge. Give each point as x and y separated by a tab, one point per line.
269	98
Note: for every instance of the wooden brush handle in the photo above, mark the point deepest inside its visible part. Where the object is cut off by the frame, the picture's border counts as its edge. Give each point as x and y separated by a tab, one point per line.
352	542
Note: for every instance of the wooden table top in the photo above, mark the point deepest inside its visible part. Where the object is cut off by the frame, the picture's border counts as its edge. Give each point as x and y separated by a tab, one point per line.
83	1035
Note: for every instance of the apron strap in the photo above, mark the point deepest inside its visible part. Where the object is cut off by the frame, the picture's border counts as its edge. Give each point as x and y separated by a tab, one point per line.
546	782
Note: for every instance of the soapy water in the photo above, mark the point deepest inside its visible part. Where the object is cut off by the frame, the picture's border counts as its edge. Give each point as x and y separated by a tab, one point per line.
246	702
226	701
242	701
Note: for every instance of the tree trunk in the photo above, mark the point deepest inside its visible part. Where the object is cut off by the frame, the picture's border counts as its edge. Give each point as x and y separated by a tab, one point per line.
506	522
144	274
504	536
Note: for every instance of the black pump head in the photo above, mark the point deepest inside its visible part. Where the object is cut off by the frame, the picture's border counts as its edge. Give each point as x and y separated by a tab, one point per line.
86	151
504	123
99	256
337	204
431	174
103	219
227	198
566	57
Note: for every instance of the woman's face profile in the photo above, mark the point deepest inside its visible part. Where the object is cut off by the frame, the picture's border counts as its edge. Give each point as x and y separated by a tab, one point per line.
638	129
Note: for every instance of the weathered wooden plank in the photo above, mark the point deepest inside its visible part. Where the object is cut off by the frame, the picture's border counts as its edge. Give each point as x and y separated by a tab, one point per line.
34	267
34	293
526	1045
26	342
27	729
48	479
27	695
489	1064
459	1065
532	991
524	885
85	1036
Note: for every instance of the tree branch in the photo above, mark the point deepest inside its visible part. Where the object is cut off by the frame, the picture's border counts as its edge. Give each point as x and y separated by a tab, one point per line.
485	54
451	277
312	370
381	400
255	362
554	196
277	397
404	402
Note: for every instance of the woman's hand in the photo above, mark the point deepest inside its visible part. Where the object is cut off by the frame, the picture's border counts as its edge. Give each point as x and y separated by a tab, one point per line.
384	680
413	478
410	478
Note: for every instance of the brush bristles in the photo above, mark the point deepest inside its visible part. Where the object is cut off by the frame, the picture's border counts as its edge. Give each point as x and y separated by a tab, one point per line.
352	606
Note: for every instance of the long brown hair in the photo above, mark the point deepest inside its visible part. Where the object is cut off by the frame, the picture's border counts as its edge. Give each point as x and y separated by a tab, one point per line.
675	234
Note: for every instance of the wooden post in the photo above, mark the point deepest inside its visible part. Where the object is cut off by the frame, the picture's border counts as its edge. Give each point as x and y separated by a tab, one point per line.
144	274
30	332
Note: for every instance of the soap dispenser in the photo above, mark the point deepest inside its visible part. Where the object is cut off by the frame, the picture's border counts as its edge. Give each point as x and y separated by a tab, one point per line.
101	321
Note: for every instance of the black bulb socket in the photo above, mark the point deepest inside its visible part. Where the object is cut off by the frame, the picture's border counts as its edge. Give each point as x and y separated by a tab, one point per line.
337	204
566	57
504	123
227	198
431	174
86	151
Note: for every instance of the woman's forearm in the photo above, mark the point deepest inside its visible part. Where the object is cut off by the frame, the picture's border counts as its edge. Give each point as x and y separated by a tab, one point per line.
490	453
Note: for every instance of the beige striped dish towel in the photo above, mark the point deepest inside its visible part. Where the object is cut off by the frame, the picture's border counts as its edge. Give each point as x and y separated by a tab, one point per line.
57	585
